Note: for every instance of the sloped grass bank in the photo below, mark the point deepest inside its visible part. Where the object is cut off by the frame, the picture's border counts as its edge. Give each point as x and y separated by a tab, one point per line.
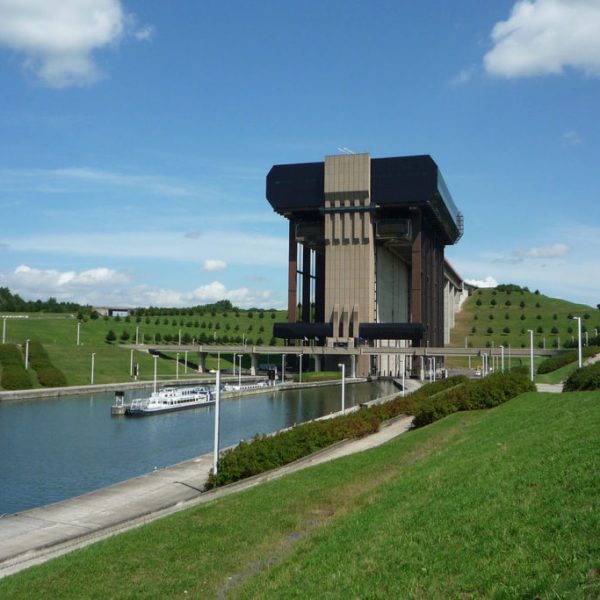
488	504
13	375
428	404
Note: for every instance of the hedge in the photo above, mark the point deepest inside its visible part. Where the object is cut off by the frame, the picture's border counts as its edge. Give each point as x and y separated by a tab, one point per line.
48	375
556	362
14	375
430	403
586	378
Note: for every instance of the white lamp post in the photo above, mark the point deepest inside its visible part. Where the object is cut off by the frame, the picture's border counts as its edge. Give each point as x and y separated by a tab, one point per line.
240	372
92	370
586	339
343	386
531	353
300	363
180	337
502	359
137	335
27	354
4	330
155	371
403	367
578	319
131	364
177	366
185	361
217	421
282	368
78	331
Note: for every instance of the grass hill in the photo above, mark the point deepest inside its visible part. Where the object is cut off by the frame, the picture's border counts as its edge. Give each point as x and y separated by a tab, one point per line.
58	334
501	503
502	316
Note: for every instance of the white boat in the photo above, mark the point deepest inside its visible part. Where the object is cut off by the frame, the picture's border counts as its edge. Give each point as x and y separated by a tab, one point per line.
229	387
169	399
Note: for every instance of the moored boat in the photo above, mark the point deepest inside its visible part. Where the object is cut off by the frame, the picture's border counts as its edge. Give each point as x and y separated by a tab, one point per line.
170	399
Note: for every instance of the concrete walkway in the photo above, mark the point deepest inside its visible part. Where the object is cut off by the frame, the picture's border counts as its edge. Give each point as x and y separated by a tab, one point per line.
35	536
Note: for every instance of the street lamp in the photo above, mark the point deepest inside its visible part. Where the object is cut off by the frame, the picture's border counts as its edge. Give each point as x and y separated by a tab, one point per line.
78	331
403	367
177	366
180	337
578	319
300	367
92	371
240	372
531	354
502	359
137	335
185	360
217	421
343	366
4	330
282	368
155	371
131	364
27	354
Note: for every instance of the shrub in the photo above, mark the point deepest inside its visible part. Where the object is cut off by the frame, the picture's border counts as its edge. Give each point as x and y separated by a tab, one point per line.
565	358
48	375
586	378
14	375
111	336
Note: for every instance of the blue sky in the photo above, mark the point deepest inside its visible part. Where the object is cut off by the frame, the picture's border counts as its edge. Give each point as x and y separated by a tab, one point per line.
136	136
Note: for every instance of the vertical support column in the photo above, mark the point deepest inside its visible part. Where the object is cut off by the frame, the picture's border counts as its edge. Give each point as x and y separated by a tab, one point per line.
202	362
292	269
353	365
320	286
318	363
416	292
306	284
253	364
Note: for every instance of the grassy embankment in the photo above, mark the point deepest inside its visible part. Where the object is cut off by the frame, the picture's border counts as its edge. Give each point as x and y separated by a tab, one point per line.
58	334
501	503
547	317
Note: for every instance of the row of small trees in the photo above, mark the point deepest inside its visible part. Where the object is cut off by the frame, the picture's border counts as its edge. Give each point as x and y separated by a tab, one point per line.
186	338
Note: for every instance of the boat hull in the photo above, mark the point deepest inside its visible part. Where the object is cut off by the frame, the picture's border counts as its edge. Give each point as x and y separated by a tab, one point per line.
145	412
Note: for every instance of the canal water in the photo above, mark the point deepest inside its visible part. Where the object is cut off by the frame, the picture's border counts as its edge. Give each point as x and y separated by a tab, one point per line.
55	449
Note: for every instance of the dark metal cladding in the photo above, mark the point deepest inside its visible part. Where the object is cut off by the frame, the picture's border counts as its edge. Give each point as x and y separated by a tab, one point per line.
404	181
296	187
391	331
298	331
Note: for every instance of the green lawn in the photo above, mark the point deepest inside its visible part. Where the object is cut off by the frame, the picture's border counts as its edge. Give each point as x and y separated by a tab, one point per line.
58	334
491	504
546	316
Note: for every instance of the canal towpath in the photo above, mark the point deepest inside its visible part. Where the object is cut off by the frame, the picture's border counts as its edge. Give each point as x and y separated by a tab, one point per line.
40	534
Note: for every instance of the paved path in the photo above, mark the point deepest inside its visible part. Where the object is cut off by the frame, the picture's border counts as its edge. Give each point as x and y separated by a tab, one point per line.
554	388
35	536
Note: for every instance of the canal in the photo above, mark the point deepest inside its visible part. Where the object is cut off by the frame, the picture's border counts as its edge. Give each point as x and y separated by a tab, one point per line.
51	450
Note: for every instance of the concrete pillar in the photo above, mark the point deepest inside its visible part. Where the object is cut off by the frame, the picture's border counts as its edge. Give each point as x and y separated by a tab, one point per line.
253	364
202	362
318	363
353	365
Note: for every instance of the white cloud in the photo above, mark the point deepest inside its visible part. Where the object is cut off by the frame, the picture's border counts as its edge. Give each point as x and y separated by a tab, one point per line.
544	37
102	286
464	76
211	264
58	37
550	251
64	285
233	247
488	282
572	138
145	33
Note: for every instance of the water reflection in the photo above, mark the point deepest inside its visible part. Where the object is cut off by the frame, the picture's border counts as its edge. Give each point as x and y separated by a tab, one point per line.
58	448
